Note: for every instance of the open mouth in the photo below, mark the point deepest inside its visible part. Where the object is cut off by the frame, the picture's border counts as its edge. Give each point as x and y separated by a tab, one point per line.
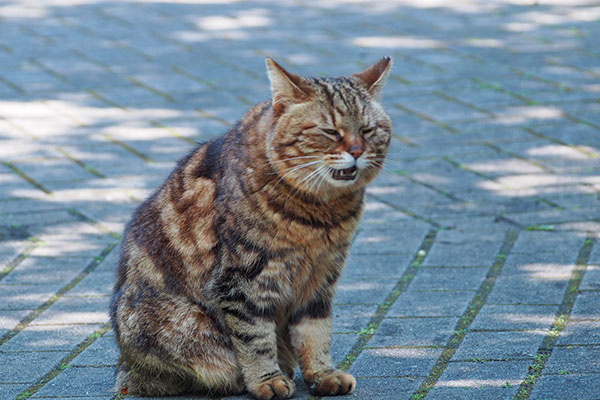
346	174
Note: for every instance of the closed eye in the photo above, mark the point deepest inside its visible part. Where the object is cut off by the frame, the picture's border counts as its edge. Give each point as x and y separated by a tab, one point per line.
366	131
332	133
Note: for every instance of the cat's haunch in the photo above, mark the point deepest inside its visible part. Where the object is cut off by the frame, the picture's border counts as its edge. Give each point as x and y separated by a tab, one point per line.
228	270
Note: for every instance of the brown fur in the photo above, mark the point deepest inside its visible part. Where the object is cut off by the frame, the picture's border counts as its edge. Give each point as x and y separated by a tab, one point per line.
228	270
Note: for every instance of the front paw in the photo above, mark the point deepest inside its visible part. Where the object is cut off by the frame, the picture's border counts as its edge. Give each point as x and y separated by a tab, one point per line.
279	387
334	383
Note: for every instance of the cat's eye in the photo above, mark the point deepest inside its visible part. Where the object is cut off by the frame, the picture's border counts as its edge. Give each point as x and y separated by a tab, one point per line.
366	131
332	133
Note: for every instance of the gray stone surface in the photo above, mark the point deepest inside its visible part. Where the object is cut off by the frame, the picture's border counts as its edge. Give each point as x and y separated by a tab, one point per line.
567	387
394	362
514	317
496	125
430	331
586	306
431	304
448	278
499	345
574	359
580	332
485	380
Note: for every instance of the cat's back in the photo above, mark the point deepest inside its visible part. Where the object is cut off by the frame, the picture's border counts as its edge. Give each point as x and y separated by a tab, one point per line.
174	227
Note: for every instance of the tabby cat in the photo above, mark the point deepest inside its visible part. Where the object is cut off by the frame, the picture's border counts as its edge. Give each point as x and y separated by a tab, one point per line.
227	271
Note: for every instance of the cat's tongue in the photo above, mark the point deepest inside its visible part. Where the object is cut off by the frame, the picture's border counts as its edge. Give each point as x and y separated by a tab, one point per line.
346	174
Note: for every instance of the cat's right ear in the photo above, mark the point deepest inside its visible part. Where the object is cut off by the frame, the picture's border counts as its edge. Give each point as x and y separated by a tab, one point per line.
286	88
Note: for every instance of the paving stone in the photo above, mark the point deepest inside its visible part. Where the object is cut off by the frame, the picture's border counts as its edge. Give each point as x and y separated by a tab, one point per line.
11	391
473	392
100	283
591	278
102	352
586	306
448	278
480	379
499	345
566	387
573	359
10	319
341	344
580	332
76	310
26	296
394	362
429	331
377	240
351	318
455	248
49	338
544	284
362	292
93	382
48	271
511	317
431	304
27	367
359	267
384	388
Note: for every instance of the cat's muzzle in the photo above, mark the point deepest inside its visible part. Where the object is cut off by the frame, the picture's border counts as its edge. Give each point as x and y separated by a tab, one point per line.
346	174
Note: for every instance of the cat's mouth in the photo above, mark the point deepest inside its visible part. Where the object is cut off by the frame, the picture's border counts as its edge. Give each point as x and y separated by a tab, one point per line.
346	174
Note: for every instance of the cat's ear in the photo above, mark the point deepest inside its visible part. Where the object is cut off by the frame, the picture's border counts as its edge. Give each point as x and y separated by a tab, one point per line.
287	88
374	76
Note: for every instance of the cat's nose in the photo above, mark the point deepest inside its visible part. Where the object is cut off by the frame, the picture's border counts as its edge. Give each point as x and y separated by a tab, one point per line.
356	150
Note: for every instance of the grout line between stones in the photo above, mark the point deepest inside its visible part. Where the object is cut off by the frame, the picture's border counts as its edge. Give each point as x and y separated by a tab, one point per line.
34	243
26	177
560	321
383	308
404	210
479	299
58	295
63	363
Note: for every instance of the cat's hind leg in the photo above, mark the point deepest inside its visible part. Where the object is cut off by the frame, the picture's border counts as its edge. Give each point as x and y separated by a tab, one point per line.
171	346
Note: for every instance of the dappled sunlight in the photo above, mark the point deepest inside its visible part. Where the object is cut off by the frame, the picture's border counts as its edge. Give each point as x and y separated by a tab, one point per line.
248	19
78	317
477	383
406	42
483	42
547	272
518	115
535	180
558	150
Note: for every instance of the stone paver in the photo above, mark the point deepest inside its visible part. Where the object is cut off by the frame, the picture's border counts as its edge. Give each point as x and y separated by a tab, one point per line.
476	269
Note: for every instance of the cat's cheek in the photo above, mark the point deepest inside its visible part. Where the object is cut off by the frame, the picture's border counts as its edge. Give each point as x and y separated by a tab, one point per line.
362	163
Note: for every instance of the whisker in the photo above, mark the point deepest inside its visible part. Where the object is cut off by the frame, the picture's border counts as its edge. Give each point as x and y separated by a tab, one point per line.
295	167
304	181
322	177
289	159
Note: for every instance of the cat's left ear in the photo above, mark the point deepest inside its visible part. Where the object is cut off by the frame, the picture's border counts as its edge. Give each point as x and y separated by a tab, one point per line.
374	76
287	88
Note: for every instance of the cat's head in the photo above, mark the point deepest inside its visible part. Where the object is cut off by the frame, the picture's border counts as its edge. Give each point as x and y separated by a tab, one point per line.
330	134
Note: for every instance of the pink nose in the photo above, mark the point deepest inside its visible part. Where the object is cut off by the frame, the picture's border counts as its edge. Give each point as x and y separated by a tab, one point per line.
356	151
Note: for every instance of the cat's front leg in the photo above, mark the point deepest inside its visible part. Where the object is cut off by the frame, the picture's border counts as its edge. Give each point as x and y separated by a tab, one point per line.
310	331
255	342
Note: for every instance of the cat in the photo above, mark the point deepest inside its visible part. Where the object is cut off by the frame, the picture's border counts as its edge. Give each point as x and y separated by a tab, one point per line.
227	271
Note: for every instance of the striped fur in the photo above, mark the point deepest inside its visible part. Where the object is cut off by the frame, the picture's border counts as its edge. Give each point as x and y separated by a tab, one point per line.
228	270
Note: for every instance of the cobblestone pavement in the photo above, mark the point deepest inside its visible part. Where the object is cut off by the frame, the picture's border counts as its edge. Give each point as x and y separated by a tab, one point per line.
476	270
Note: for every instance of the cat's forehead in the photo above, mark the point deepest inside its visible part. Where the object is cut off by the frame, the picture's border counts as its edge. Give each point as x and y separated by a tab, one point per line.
342	93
